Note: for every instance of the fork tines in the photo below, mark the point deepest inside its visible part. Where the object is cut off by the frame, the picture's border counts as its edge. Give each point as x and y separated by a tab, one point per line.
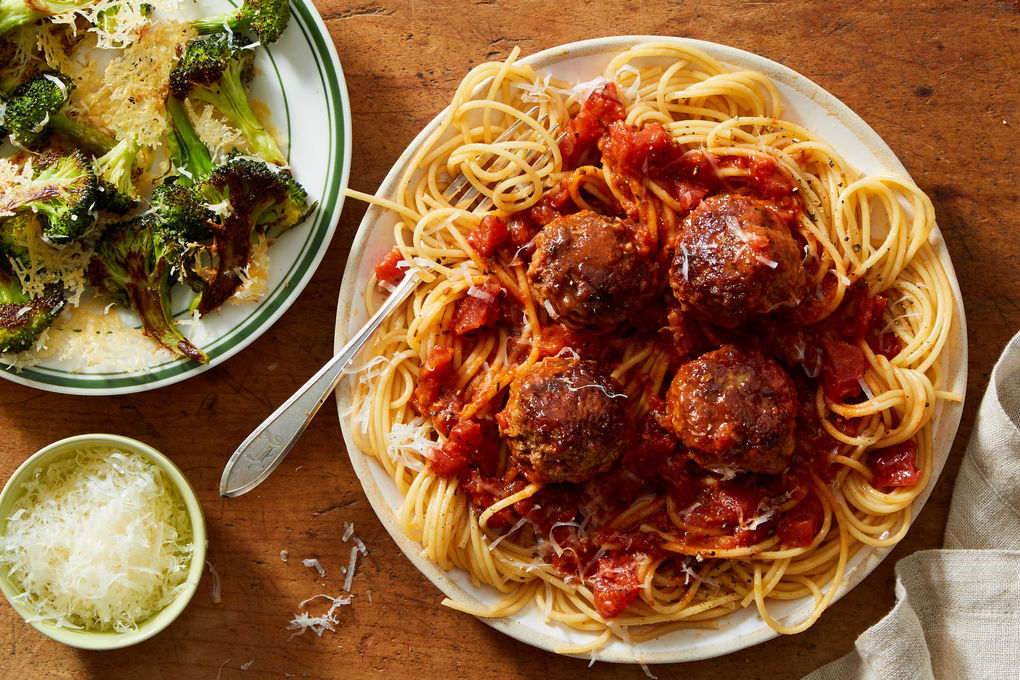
461	192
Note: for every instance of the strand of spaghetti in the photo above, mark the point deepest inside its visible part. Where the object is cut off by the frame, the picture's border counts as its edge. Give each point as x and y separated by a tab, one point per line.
821	603
526	492
508	606
719	553
398	208
585	647
922	352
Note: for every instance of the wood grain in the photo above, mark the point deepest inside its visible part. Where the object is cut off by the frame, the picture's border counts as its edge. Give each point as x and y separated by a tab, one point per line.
938	81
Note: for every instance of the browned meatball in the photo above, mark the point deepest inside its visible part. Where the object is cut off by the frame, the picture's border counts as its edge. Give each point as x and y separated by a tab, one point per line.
733	259
590	270
734	409
566	420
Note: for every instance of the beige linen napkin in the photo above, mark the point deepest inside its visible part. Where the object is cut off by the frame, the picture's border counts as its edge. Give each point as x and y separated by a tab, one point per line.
957	614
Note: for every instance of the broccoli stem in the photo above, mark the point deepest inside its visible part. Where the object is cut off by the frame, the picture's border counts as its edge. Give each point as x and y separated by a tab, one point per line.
233	247
151	300
232	101
217	23
186	149
11	292
86	136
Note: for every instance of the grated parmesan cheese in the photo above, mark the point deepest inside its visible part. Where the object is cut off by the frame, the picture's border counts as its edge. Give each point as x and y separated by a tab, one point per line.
313	563
88	337
255	277
114	23
349	574
99	541
485	296
215	131
302	620
408	443
601	388
216	592
128	95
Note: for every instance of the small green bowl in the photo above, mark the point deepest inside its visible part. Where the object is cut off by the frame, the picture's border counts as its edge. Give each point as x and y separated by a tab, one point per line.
94	639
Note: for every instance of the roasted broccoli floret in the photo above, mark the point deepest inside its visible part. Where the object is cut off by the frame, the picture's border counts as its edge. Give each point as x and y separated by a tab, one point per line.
114	170
180	228
251	200
14	13
22	317
190	157
130	268
217	71
265	18
63	192
33	112
15	232
175	206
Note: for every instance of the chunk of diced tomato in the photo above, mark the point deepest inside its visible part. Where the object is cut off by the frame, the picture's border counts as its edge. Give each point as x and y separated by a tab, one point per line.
477	310
468	440
598	111
433	372
843	369
615	586
490	235
895	466
387	269
798	526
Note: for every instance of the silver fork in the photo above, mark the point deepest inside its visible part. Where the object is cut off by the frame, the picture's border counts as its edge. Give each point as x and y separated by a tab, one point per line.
267	446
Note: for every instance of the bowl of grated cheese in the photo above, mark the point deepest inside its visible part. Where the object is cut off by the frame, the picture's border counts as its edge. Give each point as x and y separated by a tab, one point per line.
102	541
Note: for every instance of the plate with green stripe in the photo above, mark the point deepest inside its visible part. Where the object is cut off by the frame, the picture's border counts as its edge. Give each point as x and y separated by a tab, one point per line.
99	351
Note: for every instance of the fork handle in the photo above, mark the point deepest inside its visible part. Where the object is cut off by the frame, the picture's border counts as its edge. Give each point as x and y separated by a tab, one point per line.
268	445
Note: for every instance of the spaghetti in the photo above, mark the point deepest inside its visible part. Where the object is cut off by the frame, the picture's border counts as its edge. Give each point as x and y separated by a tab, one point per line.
687	362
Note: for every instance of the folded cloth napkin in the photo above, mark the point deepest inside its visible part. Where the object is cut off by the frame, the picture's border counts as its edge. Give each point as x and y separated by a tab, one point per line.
957	614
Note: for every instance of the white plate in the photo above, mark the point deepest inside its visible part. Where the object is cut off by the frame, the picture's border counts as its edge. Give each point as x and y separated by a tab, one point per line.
300	79
805	103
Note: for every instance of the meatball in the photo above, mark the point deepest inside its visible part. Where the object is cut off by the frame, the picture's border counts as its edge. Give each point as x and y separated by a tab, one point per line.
590	270
733	260
566	420
734	408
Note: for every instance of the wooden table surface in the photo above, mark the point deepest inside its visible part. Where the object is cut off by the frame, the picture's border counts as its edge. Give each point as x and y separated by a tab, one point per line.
937	80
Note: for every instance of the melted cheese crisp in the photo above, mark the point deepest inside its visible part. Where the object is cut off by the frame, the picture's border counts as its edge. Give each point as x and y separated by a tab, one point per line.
100	541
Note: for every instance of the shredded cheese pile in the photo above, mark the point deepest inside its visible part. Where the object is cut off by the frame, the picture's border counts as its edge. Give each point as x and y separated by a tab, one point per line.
99	541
